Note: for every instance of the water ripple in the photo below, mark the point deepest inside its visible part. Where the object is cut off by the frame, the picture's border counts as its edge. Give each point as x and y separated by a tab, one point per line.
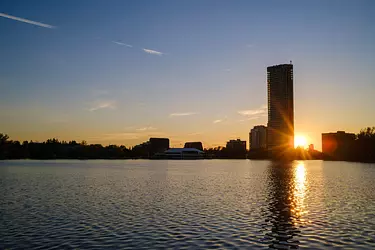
186	205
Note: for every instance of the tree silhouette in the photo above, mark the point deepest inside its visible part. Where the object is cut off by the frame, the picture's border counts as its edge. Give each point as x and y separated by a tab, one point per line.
364	146
3	138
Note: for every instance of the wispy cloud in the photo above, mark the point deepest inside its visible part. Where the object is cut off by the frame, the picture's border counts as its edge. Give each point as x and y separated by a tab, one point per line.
250	112
146	129
183	114
153	52
141	133
228	70
123	44
249	45
220	120
103	105
148	51
196	133
253	112
27	21
153	133
249	118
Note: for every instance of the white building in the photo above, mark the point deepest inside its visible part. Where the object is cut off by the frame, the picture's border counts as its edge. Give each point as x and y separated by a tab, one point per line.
184	154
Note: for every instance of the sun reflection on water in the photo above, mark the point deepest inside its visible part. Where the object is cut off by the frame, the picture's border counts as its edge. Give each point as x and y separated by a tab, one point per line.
298	208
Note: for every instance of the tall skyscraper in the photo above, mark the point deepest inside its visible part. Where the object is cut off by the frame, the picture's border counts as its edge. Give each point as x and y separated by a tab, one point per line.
280	128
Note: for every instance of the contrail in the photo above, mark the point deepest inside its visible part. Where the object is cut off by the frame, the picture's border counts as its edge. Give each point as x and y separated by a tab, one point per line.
183	114
153	52
27	21
124	44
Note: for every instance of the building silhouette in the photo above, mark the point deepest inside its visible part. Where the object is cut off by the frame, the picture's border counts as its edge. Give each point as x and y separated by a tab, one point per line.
337	145
151	147
236	149
158	145
198	145
258	137
280	127
236	145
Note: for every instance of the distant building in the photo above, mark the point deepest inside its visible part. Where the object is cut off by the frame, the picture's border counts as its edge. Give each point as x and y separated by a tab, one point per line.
311	147
258	138
280	127
236	149
158	145
337	145
198	145
236	145
151	147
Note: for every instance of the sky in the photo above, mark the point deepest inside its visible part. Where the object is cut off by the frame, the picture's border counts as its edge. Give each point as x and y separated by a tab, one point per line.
119	72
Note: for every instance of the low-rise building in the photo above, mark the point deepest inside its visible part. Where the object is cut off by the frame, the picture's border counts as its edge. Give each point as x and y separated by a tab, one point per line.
198	145
337	145
236	149
184	154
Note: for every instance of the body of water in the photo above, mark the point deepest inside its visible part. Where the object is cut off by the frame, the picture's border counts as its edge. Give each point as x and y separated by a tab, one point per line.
204	204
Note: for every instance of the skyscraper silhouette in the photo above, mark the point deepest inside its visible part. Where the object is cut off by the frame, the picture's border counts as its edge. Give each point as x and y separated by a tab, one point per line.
280	132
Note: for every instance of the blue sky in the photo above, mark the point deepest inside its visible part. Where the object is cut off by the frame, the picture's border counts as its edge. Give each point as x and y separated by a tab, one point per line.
122	71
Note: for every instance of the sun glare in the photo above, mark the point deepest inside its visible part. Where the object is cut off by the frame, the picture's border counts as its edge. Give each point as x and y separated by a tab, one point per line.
300	141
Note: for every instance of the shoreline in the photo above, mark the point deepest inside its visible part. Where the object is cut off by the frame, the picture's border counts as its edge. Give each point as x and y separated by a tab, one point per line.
133	159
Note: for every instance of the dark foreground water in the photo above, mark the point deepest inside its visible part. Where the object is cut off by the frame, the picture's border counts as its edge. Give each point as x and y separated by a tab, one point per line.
186	204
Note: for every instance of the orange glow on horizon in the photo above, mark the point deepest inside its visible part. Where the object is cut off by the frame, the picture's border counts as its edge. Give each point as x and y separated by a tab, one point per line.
300	141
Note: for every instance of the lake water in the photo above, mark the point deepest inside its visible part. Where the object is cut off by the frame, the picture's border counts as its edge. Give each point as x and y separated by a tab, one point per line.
186	204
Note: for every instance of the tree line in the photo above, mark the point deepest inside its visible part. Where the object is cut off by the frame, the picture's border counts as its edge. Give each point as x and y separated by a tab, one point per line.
363	148
55	149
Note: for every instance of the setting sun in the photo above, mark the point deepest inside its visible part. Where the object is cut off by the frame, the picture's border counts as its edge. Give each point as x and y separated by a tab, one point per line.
300	141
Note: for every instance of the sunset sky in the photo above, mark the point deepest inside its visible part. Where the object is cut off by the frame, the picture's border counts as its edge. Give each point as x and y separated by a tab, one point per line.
119	72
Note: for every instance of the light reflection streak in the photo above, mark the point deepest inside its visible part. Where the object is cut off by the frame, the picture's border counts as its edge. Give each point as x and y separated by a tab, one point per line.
298	209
